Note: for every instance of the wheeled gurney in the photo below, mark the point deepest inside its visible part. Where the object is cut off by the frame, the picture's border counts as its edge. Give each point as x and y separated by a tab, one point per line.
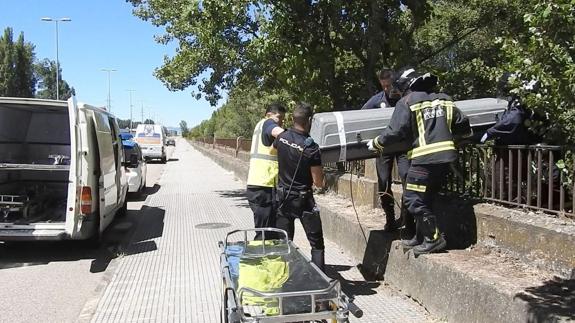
270	280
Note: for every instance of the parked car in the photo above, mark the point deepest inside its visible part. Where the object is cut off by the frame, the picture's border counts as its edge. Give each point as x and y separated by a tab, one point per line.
62	173
136	168
171	142
152	140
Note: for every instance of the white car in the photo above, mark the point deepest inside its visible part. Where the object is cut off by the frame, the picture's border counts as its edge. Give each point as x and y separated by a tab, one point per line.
136	168
62	173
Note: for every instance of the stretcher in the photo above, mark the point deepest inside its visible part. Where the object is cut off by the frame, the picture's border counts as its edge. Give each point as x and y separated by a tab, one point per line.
271	280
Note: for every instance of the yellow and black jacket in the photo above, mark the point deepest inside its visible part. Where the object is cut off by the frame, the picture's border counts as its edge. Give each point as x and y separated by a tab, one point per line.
429	121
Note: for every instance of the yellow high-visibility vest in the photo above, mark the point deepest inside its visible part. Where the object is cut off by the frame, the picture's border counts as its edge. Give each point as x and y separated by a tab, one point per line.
264	274
263	161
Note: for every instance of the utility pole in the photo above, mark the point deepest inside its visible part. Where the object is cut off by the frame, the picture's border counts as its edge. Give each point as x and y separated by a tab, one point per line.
56	20
131	117
142	111
109	71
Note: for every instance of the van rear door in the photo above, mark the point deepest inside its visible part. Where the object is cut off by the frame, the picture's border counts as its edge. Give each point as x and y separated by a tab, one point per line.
74	176
108	187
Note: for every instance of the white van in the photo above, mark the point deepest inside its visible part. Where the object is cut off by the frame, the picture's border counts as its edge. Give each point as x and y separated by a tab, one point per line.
62	170
152	140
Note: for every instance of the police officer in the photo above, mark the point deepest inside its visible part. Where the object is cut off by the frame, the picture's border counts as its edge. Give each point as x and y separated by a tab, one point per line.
263	171
387	98
428	121
299	168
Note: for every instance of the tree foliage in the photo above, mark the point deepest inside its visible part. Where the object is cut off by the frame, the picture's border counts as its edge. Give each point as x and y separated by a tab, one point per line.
544	50
184	128
328	52
17	78
324	52
239	115
46	73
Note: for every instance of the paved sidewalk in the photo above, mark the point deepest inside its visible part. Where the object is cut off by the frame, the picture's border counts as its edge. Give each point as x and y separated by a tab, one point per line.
171	270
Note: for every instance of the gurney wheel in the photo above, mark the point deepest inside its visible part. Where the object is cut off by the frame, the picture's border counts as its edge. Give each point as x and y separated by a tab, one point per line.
224	308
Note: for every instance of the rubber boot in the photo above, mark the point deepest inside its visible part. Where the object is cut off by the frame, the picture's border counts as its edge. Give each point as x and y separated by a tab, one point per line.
390	223
318	258
411	234
433	240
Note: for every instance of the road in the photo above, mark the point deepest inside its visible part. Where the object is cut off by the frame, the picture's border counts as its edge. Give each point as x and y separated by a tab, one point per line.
51	281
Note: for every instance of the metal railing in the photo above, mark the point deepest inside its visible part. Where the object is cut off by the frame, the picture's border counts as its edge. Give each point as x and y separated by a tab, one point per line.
238	144
350	167
536	177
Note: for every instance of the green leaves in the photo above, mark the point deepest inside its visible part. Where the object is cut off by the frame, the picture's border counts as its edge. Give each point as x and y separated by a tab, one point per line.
544	51
17	77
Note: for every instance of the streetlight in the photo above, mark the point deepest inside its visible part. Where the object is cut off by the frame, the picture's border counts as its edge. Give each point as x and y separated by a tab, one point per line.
56	20
109	71
131	91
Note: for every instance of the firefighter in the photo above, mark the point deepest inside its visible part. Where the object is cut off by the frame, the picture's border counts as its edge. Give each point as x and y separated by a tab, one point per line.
387	98
429	122
263	171
299	170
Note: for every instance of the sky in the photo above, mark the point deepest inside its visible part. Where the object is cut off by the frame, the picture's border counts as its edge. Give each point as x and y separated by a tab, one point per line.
103	34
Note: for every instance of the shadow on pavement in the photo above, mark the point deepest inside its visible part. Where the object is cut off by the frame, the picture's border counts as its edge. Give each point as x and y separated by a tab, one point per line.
33	253
238	196
554	301
150	226
133	197
351	288
173	159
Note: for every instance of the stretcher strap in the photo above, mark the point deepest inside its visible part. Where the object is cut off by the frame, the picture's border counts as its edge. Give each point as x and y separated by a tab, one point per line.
341	133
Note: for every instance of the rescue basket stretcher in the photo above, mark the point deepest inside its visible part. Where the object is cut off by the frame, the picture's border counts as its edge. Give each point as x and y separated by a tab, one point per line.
271	280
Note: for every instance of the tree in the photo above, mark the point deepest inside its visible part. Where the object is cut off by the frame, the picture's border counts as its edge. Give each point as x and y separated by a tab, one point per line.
324	52
17	77
184	128
46	74
544	51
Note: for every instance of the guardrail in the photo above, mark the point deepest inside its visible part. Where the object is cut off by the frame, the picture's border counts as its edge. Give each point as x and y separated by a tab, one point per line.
537	177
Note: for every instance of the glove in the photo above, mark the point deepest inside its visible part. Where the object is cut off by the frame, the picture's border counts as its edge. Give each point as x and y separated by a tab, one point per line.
484	138
373	145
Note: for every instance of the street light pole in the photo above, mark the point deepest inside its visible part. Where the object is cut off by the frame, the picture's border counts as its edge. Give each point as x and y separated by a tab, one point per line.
131	91
57	52
109	71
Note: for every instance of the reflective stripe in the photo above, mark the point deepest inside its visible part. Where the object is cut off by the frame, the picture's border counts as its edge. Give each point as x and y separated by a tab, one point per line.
420	128
449	114
431	149
428	104
265	157
416	188
341	134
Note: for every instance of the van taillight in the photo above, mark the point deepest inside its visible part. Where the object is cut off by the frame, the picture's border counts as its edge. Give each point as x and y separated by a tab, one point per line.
86	200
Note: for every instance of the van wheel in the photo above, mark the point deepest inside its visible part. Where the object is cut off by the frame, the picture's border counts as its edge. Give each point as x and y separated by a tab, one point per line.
124	209
95	241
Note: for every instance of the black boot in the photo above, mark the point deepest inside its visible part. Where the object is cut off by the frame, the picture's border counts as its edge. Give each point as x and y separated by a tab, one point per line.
318	258
411	234
390	223
433	240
